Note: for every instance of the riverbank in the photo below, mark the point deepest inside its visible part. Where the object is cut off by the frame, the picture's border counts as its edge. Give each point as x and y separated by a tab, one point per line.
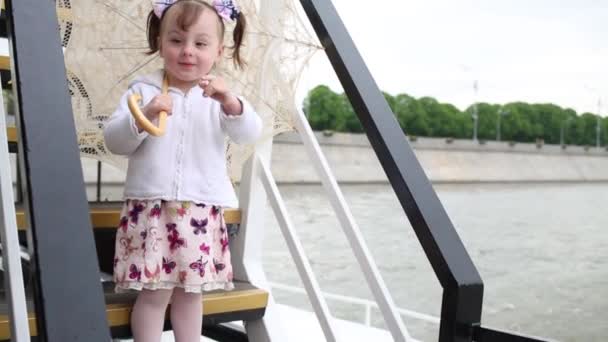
353	161
445	161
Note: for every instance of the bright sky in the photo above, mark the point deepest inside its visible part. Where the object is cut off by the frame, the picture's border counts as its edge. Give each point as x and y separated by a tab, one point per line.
518	50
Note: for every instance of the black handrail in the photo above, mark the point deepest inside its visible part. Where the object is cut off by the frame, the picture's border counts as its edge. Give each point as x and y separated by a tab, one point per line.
68	295
462	285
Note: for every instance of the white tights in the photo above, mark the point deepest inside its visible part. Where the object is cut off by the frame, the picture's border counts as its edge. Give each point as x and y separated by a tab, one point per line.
149	310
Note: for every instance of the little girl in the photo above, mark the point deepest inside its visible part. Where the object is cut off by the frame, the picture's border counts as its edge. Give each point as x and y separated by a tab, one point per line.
172	241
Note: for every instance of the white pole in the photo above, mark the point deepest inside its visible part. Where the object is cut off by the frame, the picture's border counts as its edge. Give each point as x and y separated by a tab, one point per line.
11	251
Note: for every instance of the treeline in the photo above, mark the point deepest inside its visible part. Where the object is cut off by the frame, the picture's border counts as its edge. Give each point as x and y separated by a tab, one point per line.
516	121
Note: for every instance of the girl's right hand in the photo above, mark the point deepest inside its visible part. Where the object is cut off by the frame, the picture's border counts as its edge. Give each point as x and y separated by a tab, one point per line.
159	103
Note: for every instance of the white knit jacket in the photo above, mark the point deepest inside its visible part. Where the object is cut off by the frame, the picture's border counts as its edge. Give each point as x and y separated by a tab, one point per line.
188	162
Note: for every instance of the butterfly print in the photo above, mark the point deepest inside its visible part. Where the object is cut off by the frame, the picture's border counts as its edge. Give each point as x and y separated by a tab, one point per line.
218	265
175	241
204	248
143	235
154	239
171	227
168	265
124	223
182	276
134	272
134	213
154	276
224	243
199	225
214	211
199	266
155	212
125	243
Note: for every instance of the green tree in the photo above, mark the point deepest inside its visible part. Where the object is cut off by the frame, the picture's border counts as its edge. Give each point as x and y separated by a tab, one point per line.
324	109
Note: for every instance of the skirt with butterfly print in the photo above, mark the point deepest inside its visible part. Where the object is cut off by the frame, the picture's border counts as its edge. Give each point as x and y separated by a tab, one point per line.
166	244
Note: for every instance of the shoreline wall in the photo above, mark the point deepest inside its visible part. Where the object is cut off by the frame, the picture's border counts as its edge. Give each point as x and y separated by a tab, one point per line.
353	160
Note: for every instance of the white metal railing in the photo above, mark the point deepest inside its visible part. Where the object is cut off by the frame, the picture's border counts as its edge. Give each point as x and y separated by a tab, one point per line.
384	301
11	252
297	251
353	233
367	304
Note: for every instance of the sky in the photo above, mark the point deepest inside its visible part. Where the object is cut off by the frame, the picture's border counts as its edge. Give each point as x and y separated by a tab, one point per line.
536	51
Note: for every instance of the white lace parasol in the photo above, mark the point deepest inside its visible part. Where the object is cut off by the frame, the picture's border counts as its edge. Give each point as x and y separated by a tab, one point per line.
105	44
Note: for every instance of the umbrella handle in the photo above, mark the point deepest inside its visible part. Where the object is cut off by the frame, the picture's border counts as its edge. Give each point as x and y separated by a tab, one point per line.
141	119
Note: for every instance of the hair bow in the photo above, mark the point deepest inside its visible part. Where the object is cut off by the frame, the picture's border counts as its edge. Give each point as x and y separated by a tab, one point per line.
161	5
226	9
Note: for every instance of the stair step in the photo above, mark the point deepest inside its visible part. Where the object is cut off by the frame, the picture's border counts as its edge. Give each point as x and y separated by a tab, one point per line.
106	215
11	132
245	302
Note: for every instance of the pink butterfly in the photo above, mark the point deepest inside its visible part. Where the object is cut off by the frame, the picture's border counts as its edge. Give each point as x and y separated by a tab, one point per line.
204	248
168	266
155	211
199	225
134	272
152	275
175	241
224	243
199	266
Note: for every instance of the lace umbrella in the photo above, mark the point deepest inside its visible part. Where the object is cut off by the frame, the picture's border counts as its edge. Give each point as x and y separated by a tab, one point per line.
104	43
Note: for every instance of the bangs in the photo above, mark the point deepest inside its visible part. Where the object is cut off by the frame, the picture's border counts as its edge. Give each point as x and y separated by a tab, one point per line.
187	14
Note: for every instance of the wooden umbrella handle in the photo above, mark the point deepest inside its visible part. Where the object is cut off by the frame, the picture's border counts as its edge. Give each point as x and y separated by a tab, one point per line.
141	119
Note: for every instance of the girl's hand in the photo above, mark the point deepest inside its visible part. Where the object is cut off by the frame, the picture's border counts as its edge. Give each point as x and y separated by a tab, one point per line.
159	103
215	87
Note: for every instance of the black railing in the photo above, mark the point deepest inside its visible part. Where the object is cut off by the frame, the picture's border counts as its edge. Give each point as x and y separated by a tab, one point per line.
462	285
68	295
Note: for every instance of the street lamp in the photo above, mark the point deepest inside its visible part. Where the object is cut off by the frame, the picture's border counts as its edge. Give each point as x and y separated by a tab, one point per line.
561	135
475	114
597	126
501	112
599	110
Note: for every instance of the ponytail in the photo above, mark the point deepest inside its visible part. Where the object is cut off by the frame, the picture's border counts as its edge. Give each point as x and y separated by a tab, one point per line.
153	32
237	36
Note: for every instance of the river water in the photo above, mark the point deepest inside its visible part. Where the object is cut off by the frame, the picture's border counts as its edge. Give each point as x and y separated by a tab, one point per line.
541	250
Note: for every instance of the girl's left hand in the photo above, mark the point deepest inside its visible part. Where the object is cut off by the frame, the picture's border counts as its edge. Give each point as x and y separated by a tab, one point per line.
215	87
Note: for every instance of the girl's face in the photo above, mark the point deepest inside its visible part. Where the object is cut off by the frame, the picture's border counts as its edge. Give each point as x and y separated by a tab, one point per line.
189	55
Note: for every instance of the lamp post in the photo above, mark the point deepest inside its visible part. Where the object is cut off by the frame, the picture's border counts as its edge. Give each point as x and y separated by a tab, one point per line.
561	135
597	126
475	114
501	112
598	130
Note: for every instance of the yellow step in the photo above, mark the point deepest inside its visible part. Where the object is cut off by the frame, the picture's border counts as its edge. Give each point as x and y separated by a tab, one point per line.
107	216
11	132
5	63
245	298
